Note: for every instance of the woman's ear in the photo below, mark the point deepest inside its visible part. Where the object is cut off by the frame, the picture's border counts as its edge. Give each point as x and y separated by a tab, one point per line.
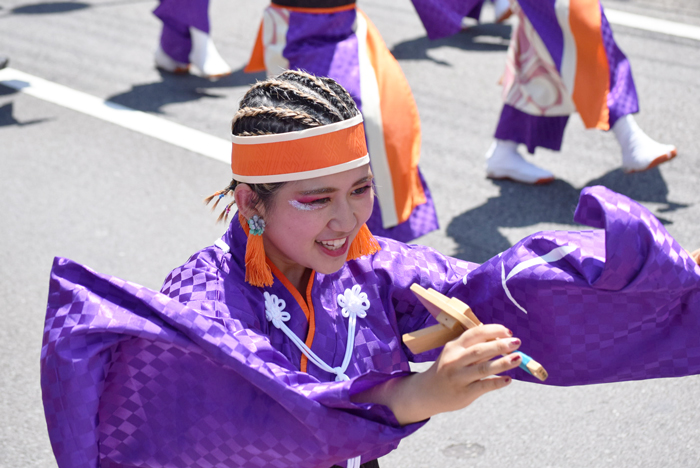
246	200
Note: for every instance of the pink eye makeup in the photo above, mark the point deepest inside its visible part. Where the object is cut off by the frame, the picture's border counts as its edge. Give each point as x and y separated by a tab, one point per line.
307	204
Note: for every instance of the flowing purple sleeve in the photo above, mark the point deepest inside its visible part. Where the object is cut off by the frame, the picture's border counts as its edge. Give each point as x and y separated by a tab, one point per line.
133	377
618	302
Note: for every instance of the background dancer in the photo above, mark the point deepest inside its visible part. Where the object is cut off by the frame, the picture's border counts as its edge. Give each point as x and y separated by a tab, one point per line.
562	61
280	345
333	38
185	39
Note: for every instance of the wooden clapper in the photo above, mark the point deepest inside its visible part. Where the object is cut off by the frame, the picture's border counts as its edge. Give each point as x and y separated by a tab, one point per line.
453	316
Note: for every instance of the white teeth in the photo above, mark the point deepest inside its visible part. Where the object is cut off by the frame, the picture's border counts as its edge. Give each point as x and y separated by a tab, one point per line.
333	244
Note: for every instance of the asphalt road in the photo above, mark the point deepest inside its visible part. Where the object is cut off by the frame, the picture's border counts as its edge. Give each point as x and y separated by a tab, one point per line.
130	205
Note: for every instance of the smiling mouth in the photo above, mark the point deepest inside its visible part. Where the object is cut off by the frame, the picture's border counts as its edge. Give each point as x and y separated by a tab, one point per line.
334	244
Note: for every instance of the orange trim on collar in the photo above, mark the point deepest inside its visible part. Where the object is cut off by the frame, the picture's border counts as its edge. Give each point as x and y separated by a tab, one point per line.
306	306
312	321
318	11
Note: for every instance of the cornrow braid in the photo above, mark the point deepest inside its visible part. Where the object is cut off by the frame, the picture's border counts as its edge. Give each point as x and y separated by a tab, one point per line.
324	90
276	112
312	98
292	101
342	94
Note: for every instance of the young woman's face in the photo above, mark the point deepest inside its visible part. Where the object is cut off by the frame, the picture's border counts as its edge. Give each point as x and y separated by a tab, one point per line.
311	223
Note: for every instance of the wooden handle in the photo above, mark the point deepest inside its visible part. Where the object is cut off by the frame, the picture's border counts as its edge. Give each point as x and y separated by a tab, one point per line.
453	316
430	338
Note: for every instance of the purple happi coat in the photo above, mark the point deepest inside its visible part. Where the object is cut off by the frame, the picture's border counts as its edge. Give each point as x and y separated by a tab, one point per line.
199	375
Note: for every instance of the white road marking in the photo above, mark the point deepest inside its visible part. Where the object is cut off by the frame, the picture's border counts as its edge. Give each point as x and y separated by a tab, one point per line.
647	23
219	148
147	124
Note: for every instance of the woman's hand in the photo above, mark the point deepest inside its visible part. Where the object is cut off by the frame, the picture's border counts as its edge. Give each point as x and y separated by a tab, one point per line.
464	371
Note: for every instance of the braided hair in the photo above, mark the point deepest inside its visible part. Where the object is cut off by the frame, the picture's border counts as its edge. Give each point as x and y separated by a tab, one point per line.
292	101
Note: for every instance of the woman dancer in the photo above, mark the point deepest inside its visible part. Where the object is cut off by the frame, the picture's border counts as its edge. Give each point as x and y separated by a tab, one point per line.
280	345
562	59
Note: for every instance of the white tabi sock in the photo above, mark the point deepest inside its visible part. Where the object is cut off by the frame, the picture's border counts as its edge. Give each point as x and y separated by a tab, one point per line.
639	151
504	162
166	62
205	57
501	10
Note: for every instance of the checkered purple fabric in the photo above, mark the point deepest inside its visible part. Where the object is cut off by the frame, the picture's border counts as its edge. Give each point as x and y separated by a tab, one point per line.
196	376
622	98
624	305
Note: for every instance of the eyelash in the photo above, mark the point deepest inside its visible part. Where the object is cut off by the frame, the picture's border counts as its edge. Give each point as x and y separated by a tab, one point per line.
322	201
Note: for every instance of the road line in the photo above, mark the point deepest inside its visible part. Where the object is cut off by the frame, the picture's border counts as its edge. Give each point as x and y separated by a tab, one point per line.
218	148
672	28
147	124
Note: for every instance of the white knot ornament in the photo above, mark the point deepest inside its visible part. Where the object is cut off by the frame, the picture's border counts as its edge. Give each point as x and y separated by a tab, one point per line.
353	302
274	310
340	374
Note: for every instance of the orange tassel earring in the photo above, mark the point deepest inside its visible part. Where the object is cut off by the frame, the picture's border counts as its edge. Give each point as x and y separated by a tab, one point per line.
257	271
363	244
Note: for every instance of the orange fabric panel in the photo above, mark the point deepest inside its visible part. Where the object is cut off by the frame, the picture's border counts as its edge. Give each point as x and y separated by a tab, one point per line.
256	63
592	82
305	154
401	124
312	322
307	306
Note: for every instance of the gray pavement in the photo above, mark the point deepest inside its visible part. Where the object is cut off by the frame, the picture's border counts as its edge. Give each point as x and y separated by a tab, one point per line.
129	205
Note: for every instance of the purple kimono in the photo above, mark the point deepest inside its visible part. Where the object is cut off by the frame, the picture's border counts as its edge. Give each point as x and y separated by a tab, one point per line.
202	374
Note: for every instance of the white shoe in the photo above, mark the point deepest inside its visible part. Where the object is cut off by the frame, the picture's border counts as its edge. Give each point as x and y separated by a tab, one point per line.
504	162
165	62
501	10
639	151
205	57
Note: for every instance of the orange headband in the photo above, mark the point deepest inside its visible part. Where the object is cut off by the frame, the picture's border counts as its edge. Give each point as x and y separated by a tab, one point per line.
314	152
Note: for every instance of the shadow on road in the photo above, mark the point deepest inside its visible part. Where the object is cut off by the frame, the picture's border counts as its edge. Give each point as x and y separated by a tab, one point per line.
476	231
7	117
151	97
49	8
487	37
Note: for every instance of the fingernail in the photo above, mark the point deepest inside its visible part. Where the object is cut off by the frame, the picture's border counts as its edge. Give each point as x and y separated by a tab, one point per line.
515	357
514	343
510	333
507	380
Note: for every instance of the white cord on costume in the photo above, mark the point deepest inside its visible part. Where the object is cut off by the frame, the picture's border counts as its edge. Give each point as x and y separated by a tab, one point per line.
353	303
553	256
222	245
